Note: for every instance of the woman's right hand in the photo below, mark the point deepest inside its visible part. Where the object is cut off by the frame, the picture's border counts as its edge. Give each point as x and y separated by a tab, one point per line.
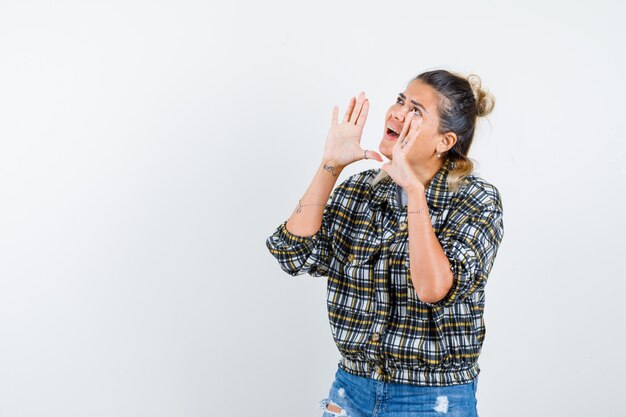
343	143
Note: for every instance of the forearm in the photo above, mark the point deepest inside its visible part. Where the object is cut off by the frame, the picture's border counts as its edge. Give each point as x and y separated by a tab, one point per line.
306	218
429	265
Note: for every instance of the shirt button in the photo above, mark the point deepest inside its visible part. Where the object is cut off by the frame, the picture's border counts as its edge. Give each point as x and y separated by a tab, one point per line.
375	337
403	225
350	258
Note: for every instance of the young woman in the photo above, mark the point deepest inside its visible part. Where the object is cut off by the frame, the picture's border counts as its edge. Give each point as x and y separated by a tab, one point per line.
407	249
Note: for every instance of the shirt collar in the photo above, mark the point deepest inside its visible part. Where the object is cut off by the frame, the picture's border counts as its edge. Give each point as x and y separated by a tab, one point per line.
437	193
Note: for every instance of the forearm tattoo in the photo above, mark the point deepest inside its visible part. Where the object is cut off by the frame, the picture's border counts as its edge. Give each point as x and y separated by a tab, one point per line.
330	169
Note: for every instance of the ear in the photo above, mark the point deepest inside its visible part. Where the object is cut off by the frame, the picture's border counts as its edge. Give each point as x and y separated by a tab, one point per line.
448	140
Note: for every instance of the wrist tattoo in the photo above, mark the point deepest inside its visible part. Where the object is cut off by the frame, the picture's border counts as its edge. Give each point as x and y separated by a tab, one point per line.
418	211
330	169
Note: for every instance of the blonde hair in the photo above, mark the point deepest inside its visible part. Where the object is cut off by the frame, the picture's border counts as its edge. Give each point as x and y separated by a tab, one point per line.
462	100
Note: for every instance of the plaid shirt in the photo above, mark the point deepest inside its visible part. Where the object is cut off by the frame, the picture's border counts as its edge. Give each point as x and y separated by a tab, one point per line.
381	328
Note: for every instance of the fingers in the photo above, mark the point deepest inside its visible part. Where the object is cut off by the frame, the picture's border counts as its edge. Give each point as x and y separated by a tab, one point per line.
402	137
413	131
374	155
368	154
356	113
335	116
416	122
405	129
346	117
357	109
363	116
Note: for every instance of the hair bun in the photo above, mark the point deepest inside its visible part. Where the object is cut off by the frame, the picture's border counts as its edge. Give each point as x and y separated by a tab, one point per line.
484	100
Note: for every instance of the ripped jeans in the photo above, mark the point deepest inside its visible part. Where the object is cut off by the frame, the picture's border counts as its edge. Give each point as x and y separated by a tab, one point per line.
356	396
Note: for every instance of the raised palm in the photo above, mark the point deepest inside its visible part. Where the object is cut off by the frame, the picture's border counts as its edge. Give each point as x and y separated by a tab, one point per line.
343	143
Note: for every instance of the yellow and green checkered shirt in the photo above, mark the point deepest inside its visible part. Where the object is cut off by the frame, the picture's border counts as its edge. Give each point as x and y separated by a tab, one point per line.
381	328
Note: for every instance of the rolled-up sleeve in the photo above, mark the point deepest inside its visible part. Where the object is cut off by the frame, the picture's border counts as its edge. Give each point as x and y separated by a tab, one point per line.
299	255
311	255
471	247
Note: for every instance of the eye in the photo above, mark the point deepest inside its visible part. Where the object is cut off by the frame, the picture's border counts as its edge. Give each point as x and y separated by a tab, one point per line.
415	109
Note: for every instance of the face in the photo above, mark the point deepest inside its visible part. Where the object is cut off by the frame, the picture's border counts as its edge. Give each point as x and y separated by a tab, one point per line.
417	99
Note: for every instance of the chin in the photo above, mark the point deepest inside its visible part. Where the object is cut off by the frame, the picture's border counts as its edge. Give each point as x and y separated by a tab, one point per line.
385	150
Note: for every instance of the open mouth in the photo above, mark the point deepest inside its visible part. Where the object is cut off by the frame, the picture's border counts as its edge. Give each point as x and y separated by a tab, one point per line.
392	133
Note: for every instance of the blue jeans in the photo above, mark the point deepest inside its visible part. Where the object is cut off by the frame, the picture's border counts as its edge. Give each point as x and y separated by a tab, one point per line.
357	396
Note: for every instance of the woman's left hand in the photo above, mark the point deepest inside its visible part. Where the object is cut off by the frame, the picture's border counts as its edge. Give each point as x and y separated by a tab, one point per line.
399	168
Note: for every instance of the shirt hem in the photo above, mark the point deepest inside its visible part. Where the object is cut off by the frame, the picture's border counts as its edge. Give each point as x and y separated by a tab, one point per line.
413	376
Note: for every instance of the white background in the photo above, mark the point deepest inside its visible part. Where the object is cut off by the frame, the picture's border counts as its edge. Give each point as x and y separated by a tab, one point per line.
148	149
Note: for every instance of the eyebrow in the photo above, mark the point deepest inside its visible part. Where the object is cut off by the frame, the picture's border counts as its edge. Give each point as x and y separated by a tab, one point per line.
420	105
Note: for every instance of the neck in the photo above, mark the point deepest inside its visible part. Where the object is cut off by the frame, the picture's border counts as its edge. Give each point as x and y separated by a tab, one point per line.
425	173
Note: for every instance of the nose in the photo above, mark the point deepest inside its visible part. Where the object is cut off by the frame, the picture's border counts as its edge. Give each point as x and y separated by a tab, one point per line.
399	113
